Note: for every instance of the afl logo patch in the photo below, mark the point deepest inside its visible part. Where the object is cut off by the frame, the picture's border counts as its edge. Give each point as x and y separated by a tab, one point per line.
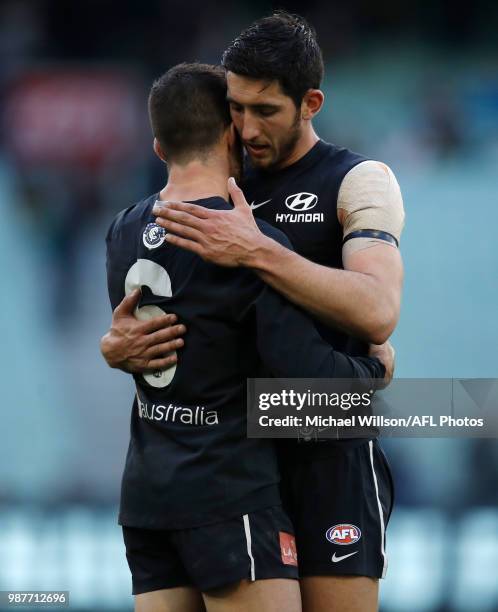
153	236
343	534
301	202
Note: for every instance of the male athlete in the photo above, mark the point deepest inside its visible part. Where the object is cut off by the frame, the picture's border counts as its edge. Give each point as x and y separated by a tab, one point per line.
200	504
344	216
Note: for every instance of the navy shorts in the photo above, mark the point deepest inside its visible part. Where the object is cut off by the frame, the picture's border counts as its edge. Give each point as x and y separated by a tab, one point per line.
254	546
339	501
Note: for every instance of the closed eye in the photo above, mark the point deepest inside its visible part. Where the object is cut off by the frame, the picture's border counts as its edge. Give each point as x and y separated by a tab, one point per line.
266	112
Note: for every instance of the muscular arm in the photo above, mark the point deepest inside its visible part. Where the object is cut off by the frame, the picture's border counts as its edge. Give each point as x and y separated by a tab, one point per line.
363	299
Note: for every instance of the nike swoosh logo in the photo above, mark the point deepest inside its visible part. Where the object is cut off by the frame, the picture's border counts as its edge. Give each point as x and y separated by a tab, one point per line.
336	559
254	206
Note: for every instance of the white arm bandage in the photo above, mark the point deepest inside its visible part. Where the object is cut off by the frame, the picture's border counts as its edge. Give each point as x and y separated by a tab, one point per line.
370	199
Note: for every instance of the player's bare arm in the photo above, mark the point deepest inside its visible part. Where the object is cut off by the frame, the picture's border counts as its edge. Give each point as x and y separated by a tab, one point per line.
132	345
363	299
140	346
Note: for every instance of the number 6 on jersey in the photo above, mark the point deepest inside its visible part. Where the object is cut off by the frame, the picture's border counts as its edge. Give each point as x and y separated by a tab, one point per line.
149	273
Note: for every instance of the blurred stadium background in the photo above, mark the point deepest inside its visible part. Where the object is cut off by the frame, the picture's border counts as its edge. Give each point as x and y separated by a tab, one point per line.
413	84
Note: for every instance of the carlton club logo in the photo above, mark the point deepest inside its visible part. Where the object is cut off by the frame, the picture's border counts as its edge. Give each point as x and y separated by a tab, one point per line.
153	236
343	534
300	202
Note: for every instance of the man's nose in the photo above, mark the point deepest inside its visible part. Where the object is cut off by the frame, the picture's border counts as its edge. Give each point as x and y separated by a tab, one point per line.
250	128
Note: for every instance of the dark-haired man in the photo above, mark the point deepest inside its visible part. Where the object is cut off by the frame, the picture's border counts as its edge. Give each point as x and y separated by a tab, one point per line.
200	504
344	216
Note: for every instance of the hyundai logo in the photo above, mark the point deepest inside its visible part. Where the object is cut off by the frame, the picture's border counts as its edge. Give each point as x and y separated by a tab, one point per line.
301	201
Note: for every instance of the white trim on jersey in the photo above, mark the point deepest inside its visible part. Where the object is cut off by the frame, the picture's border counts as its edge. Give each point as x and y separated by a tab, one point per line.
247	530
381	514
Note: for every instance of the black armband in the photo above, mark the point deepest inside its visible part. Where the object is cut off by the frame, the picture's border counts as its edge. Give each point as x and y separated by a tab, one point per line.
370	233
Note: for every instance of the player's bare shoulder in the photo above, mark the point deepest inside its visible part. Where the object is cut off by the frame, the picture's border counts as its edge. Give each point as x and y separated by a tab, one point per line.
370	201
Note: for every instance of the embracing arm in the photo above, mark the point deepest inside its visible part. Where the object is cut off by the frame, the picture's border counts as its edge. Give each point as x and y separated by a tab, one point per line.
363	299
137	346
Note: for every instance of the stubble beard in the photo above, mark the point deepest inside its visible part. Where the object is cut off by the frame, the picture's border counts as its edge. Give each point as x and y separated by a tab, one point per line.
288	145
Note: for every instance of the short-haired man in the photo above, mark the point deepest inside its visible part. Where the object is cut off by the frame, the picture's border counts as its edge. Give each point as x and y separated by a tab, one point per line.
200	504
343	214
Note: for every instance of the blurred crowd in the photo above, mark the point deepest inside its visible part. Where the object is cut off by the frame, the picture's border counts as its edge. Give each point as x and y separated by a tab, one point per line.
75	145
413	84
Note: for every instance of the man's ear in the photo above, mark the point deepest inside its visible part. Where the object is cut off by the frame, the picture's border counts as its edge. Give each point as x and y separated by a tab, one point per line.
311	104
158	151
